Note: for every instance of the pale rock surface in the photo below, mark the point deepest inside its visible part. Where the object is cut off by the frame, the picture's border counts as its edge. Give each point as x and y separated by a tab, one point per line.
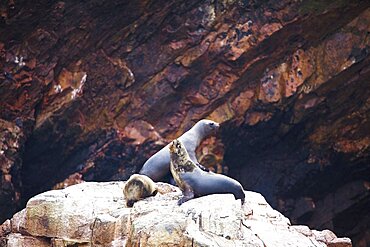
94	214
17	240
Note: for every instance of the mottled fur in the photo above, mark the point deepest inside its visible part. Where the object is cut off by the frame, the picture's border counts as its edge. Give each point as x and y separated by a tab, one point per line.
195	182
137	188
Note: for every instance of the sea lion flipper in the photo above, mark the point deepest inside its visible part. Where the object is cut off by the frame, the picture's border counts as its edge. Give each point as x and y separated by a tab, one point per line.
155	192
188	194
194	159
202	167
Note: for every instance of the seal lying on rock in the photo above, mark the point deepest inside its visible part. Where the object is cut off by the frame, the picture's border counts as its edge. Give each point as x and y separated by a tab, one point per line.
158	166
137	188
194	182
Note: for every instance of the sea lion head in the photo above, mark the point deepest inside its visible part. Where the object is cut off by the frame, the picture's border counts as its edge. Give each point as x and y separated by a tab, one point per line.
206	127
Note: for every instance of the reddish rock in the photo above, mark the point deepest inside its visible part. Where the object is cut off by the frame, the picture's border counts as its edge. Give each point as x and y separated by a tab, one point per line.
90	90
242	102
198	99
139	132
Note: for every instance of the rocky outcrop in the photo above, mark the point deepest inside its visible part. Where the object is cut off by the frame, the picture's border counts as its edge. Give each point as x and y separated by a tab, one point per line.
89	90
93	214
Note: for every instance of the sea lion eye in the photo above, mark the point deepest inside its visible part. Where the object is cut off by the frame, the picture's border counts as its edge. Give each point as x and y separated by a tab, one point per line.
211	124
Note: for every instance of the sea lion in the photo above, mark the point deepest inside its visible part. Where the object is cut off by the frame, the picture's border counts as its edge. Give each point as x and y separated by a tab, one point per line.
158	166
137	188
194	182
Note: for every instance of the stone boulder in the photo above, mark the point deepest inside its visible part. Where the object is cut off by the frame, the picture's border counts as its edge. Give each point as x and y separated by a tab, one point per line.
94	214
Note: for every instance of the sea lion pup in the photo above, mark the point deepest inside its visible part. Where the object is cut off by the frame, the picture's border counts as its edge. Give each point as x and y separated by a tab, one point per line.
194	182
137	188
158	166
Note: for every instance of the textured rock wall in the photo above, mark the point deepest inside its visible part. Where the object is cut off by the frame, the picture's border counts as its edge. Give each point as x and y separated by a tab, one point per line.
89	90
309	153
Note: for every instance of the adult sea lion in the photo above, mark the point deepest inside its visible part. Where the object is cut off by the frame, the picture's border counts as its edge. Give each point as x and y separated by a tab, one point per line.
195	182
158	166
137	188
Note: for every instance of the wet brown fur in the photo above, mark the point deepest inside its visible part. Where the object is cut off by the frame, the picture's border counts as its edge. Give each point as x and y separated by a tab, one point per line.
138	187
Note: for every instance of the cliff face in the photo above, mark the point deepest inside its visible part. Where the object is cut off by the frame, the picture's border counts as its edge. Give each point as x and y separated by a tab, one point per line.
90	90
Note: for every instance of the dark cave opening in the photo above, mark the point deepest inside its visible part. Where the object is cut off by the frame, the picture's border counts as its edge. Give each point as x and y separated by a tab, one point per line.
318	187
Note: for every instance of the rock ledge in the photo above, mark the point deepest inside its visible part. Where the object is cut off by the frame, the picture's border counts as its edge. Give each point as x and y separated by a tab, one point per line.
94	214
